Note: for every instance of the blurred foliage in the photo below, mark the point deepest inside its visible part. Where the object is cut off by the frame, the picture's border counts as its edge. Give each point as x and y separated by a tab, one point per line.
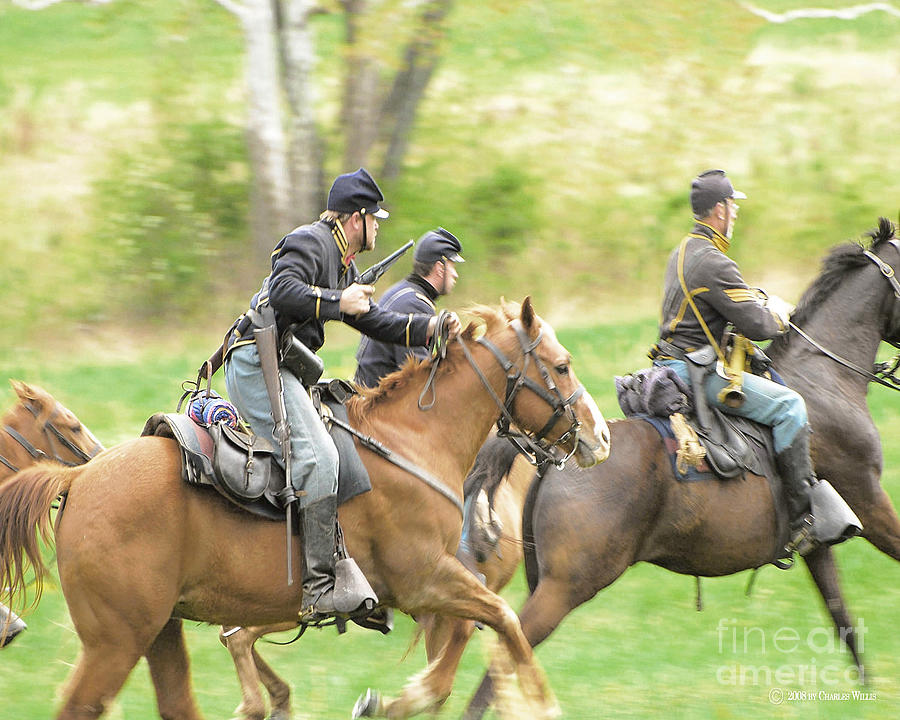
172	218
561	159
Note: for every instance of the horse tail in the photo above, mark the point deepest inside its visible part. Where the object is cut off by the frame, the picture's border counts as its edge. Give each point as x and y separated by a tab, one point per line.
26	499
493	462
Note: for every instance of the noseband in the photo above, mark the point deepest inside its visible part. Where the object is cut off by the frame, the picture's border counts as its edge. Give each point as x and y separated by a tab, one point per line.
50	431
884	372
534	446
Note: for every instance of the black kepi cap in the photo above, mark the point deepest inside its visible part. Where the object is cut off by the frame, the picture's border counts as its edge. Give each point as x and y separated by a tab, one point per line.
709	188
356	192
437	244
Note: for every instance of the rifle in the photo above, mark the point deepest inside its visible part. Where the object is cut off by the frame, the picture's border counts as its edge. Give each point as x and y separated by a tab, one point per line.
267	344
370	276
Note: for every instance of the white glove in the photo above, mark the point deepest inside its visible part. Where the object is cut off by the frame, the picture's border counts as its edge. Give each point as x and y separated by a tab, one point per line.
782	308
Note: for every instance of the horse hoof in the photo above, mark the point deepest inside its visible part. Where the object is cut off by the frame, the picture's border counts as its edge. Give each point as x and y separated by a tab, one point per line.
367	705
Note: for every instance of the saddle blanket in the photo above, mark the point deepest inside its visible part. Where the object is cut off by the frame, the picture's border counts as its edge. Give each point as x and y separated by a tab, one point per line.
199	453
759	438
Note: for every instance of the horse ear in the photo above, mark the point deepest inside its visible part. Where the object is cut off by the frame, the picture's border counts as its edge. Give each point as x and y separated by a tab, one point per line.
527	315
23	390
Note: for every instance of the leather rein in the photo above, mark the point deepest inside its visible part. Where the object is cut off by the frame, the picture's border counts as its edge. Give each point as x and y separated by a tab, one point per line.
50	431
885	372
534	446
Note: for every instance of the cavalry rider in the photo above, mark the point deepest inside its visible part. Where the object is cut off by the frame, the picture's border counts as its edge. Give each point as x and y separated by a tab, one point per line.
433	274
313	280
704	291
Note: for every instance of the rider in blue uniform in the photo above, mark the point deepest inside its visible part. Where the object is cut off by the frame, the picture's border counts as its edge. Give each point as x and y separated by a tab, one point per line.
314	279
434	274
704	292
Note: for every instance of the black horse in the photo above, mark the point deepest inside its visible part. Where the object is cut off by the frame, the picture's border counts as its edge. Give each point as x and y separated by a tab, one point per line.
582	530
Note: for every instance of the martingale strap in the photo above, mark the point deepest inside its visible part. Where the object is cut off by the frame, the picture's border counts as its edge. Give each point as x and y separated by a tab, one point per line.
400	461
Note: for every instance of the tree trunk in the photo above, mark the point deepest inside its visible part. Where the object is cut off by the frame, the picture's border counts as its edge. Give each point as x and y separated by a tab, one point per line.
306	152
420	59
360	103
270	207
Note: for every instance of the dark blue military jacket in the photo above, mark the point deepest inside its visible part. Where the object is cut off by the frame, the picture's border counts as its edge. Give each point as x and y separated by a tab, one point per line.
308	275
376	359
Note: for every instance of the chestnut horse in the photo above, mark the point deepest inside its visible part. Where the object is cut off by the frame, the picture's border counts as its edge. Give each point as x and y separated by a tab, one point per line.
166	551
498	565
588	527
37	428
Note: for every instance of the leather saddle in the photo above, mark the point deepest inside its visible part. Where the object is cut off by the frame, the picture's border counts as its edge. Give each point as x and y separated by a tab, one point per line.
245	468
733	444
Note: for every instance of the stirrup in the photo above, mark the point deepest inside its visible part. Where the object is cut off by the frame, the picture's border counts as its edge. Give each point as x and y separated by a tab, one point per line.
803	540
785	563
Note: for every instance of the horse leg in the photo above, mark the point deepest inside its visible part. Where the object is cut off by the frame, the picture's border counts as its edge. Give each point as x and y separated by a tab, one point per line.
252	670
171	674
279	691
456	592
541	615
99	674
824	572
881	526
240	646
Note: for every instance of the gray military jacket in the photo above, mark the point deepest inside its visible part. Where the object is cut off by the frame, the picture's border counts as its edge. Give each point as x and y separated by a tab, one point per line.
717	289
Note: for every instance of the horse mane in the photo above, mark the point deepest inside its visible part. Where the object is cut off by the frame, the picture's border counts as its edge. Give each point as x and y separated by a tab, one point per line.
490	318
840	260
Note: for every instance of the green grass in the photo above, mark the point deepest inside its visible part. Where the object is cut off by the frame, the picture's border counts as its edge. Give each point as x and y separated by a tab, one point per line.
638	650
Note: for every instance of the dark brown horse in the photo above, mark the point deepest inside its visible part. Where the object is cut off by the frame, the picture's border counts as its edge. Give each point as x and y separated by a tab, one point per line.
587	528
165	551
37	428
498	565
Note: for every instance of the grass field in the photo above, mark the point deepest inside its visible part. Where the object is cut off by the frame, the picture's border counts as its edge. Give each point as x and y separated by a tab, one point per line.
638	650
557	139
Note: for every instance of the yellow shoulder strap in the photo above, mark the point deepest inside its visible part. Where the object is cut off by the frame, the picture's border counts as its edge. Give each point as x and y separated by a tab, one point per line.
690	299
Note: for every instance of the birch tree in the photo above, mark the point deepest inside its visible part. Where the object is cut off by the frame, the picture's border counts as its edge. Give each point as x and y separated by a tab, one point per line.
381	93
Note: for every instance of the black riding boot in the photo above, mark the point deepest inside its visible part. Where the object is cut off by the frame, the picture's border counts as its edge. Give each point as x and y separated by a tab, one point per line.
795	468
318	520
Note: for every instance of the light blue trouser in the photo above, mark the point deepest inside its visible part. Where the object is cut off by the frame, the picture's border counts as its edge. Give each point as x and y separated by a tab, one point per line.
766	402
314	458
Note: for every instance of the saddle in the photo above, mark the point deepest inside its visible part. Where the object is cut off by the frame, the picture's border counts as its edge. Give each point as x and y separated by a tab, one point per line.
244	468
732	444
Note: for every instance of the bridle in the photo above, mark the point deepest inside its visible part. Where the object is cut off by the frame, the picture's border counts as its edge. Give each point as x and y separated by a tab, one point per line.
885	372
534	446
50	432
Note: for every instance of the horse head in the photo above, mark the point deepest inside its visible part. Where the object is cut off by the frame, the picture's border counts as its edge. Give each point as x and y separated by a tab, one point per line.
46	429
885	236
544	396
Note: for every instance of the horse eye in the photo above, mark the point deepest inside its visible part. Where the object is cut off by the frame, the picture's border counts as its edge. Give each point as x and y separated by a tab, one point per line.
562	369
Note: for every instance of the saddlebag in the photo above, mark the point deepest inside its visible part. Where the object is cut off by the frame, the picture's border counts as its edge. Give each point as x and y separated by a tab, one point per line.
242	462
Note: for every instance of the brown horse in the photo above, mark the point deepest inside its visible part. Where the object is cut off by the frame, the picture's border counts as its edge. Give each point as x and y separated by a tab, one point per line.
587	528
37	428
498	566
166	551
